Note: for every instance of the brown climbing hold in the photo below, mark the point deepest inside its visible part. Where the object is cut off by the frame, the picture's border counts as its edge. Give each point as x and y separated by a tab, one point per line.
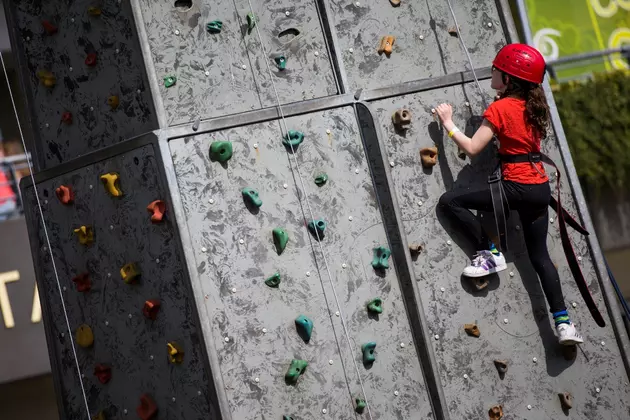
480	282
566	400
113	102
83	283
157	209
94	11
472	329
501	366
395	3
65	194
85	234
428	156
103	373
66	118
452	31
415	248
47	78
147	410
386	45
112	184
129	273
175	353
151	308
90	60
84	336
49	27
401	118
99	416
496	412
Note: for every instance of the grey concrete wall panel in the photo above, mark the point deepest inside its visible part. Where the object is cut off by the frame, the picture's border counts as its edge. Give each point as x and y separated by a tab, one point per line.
80	89
512	313
251	325
227	73
134	346
423	48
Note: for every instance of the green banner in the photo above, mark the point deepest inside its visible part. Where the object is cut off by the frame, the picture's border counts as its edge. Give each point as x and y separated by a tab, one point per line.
566	27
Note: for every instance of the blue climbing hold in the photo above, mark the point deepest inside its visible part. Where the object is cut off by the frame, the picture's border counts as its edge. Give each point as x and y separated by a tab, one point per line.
304	327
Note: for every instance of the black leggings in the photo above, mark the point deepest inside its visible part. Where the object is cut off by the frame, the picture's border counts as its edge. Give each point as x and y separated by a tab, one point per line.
531	201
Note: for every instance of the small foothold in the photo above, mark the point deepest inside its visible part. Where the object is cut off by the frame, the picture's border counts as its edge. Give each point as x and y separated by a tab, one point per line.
103	373
49	27
296	369
280	239
84	336
511	273
147	410
401	118
214	27
368	353
243	66
85	234
392	163
324	411
574	304
111	181
47	78
428	156
273	281
496	412
402	345
375	306
304	327
281	62
157	209
453	31
151	308
204	249
472	329
356	171
395	3
489	24
220	151
321	179
66	118
317	228
328	131
566	400
170	81
129	273
226	339
535	360
529	406
65	194
316	54
505	321
416	248
293	138
381	257
113	101
94	11
90	60
360	405
481	282
501	366
175	353
83	283
597	390
251	21
386	45
251	197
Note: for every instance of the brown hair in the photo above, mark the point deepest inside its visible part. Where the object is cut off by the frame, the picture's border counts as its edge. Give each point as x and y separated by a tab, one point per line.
536	107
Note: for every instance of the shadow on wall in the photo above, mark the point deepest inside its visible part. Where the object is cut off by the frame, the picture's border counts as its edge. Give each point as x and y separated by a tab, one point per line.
32	398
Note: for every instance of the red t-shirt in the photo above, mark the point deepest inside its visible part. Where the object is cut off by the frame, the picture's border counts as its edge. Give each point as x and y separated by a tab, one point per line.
516	137
6	193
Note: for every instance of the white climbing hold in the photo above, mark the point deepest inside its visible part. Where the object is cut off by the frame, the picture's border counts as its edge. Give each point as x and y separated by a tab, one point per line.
130	316
351	49
91	109
45	201
316	54
151	357
211	201
244	67
204	249
518	227
255	145
106	323
256	380
173	399
465	376
511	273
337	313
419	203
357	4
535	360
448	242
391	163
64	288
330	362
489	24
597	390
28	38
233	289
324	411
551	220
285	186
432	110
327	131
264	330
603	343
308	274
574	304
117	50
529	407
207	73
437	337
505	321
62	334
125	411
91	186
157	260
109	274
396	393
356	171
467	103
421	37
176	31
70	68
198	392
227	339
287	13
111	227
579	258
139	91
343	265
350	218
402	345
241	241
442	289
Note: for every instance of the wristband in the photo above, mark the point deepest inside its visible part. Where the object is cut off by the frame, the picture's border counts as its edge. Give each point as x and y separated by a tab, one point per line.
453	131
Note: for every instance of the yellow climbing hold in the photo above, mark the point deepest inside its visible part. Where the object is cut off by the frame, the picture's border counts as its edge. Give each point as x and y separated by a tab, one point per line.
129	273
112	184
175	353
84	336
47	78
113	101
85	234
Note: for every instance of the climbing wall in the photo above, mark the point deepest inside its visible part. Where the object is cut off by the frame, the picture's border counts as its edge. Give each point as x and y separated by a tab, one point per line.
122	352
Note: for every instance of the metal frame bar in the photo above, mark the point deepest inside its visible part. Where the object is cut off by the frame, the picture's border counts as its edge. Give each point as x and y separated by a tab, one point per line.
588	55
330	36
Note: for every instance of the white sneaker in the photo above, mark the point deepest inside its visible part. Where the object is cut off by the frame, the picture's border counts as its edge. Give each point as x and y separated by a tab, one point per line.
484	263
568	335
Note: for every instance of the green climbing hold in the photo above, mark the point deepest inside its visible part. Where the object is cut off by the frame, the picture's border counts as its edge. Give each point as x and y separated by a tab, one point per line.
368	352
381	257
375	306
321	179
360	405
251	197
293	138
295	371
281	62
251	21
304	327
170	81
317	228
273	281
214	27
220	151
280	239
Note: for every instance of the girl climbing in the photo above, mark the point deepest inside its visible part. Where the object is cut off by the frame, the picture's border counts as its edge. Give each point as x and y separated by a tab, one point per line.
520	120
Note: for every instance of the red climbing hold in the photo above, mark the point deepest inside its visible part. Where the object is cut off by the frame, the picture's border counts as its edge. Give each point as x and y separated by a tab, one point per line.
83	282
151	308
147	410
65	194
103	373
49	27
157	209
90	60
66	118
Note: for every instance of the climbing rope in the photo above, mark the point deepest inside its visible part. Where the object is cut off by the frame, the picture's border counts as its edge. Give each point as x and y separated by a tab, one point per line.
308	205
52	257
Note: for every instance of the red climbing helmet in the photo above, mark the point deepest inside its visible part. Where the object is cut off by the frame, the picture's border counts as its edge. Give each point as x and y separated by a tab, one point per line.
522	61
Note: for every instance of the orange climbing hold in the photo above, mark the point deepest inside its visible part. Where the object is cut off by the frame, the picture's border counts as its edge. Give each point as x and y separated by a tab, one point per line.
151	308
428	156
47	78
90	60
147	410
94	11
85	234
113	102
66	118
175	353
49	27
496	412
83	283
130	273
112	184
65	194
157	209
472	329
386	45
99	416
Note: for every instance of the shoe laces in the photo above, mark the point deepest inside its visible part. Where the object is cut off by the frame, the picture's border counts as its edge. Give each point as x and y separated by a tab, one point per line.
479	258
